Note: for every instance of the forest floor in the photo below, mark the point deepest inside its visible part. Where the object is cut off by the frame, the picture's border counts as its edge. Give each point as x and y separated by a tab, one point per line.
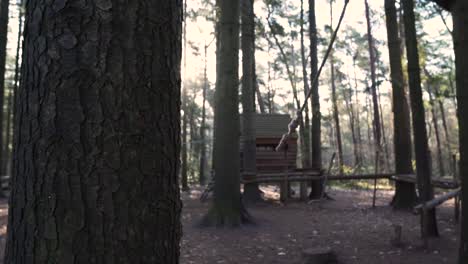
356	232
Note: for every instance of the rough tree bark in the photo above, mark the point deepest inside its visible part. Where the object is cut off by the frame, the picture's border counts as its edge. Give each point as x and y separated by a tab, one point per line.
405	193
315	129
252	192
423	169
98	122
227	208
460	21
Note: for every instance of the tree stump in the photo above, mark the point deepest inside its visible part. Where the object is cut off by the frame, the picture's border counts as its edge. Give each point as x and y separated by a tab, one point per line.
319	256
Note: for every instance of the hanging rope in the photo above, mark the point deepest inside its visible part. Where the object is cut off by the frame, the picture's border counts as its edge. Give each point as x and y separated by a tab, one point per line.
294	124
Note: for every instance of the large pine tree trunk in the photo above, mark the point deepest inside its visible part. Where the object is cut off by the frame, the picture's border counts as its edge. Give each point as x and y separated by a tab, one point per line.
96	156
372	56
460	22
423	169
315	129
4	12
227	208
405	194
249	160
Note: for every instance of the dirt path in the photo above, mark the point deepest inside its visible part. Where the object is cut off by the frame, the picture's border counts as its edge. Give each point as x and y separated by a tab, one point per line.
356	232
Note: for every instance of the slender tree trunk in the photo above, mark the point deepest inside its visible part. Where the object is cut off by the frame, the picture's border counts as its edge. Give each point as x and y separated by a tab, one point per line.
252	192
405	194
194	138
6	155
4	13
460	21
348	97
97	180
444	122
307	158
261	103
184	152
227	208
435	121
369	126
423	170
358	116
376	122
203	165
315	130
384	134
336	118
336	114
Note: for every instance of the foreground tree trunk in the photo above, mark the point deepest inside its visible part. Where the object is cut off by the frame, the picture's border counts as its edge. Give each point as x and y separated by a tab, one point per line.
4	12
405	193
251	193
423	169
96	156
315	130
227	208
460	22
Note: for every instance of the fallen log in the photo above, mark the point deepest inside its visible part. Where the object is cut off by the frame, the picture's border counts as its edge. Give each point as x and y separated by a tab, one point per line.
436	201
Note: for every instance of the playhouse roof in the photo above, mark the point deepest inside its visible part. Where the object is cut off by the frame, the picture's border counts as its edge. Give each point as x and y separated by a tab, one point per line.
271	125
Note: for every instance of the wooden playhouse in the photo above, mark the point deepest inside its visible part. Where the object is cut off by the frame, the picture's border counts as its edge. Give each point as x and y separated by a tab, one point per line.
269	129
